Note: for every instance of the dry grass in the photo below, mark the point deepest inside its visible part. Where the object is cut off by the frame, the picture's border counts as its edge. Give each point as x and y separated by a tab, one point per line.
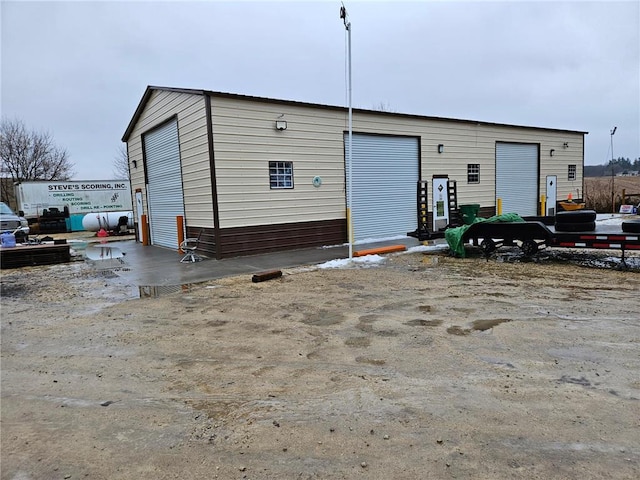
598	192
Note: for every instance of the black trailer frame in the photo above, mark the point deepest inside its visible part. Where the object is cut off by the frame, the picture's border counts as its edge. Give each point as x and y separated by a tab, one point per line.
532	235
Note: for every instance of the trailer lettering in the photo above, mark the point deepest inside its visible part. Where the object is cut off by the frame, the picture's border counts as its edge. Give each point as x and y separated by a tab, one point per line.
64	187
80	197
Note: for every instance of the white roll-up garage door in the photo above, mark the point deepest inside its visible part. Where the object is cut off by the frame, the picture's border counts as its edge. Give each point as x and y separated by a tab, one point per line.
164	190
385	175
517	178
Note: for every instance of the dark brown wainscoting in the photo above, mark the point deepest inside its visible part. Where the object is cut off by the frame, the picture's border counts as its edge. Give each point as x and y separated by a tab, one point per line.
235	242
486	212
207	245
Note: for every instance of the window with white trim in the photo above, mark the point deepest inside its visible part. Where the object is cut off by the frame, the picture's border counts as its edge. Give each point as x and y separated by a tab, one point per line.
280	175
572	172
473	173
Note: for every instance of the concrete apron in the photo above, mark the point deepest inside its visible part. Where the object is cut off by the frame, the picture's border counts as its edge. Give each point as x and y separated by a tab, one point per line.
161	267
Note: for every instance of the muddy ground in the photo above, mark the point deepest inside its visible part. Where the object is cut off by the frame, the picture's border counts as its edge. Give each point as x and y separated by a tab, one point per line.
422	367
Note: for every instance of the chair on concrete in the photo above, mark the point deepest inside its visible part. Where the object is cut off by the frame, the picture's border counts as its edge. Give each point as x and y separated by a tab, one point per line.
189	247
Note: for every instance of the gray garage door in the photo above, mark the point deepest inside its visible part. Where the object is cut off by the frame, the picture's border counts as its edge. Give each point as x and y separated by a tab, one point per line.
165	184
385	175
517	178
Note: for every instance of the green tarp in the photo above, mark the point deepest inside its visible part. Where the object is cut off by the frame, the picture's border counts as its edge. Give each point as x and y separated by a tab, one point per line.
454	235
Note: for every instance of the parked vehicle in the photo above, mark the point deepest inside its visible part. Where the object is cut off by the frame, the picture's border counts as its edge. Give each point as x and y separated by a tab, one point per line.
574	229
60	206
10	222
569	229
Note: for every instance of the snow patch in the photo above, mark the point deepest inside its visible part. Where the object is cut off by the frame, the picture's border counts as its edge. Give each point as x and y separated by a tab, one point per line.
612	218
428	248
366	261
374	260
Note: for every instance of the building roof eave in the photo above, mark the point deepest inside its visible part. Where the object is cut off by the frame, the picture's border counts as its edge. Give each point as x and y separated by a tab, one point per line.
145	98
149	91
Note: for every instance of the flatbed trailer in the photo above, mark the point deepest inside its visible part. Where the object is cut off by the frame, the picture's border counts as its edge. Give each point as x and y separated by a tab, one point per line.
530	236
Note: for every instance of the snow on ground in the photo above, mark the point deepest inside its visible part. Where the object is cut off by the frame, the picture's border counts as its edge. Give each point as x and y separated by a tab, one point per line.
366	261
374	260
613	218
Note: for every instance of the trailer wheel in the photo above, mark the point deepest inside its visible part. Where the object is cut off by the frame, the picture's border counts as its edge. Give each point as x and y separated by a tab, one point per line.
529	247
631	226
488	246
576	216
575	227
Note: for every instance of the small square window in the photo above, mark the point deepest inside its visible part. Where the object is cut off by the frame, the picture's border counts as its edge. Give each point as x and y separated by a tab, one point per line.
280	175
572	172
473	173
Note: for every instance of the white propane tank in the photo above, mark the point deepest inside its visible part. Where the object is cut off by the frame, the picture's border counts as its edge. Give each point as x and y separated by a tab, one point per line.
93	222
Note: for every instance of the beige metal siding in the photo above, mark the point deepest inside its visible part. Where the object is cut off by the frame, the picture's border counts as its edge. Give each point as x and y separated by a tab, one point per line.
463	143
245	140
467	142
556	165
190	110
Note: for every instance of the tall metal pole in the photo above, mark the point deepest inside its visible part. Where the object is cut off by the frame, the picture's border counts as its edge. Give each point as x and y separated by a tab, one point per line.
347	25
613	192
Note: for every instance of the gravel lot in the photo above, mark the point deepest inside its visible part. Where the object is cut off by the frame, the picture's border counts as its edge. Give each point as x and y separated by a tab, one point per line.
423	366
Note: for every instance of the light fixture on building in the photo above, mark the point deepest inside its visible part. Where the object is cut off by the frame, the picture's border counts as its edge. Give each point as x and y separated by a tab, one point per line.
551	152
134	163
440	148
281	125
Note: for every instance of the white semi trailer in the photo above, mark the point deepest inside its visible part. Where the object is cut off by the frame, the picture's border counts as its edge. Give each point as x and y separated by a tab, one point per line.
54	204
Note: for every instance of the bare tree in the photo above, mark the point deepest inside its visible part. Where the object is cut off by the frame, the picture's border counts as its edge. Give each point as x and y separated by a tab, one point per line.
29	155
121	164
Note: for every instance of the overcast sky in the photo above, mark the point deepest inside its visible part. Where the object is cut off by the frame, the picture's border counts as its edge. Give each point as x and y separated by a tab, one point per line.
79	69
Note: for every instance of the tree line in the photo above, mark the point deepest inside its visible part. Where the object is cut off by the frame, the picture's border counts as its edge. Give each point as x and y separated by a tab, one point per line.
618	166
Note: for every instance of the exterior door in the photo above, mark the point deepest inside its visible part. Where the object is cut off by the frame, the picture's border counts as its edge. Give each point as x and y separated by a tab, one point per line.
139	211
550	205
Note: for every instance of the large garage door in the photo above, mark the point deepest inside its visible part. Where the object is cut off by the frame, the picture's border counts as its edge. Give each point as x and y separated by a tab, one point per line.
385	175
517	178
165	184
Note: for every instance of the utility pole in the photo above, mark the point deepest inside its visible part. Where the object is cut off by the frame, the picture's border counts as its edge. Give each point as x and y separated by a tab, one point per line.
613	192
347	25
